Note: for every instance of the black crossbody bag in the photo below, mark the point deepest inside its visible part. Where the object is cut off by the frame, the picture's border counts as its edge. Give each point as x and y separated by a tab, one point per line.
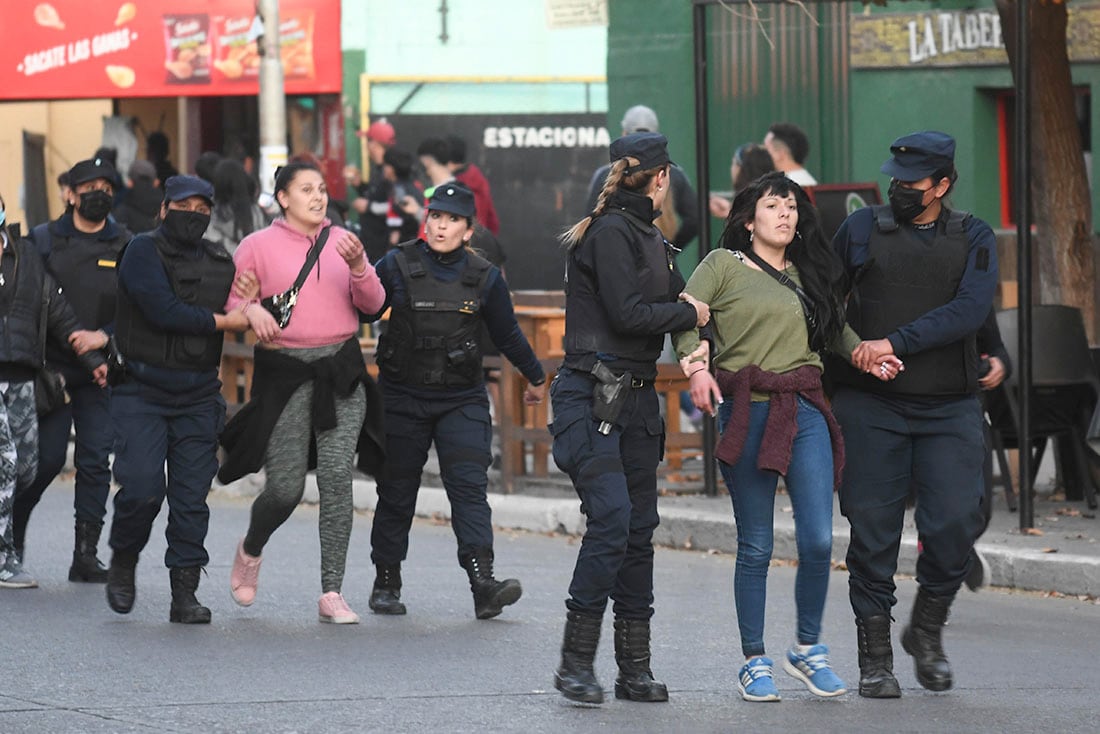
808	310
281	305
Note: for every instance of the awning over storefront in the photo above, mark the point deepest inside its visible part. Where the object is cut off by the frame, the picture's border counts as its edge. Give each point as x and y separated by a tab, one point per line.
71	49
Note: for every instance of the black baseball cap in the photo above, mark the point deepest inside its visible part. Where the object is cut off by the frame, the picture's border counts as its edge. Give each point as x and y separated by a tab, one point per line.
178	188
651	150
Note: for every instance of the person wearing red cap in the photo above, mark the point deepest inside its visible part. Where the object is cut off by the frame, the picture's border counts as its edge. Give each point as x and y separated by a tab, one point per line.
373	203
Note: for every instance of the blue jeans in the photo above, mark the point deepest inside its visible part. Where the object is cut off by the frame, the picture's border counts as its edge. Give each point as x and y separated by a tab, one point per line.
810	486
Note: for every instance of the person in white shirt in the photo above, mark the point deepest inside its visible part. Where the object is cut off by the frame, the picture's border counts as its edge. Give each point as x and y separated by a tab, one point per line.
789	147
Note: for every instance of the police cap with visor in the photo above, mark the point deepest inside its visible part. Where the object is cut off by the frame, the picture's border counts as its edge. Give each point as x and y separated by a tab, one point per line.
453	198
919	155
92	170
651	150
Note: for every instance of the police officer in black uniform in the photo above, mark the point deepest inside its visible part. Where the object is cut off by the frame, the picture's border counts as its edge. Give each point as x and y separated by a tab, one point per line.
924	281
621	300
172	289
440	293
80	250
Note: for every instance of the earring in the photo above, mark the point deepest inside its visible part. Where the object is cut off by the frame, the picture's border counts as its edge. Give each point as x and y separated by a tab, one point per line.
751	234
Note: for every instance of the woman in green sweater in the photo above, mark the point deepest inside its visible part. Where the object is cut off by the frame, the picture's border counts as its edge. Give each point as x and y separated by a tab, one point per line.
776	292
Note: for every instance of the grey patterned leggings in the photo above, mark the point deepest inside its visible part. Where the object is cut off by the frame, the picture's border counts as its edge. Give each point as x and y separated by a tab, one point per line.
287	463
18	451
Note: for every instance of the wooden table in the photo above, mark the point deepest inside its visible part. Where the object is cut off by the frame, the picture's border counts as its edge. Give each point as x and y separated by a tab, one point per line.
523	427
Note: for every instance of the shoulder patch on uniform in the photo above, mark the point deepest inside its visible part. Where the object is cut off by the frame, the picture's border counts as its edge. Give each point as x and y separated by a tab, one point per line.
982	260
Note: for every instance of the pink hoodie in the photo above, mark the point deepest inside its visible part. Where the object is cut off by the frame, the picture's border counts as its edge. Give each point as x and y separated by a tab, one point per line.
326	309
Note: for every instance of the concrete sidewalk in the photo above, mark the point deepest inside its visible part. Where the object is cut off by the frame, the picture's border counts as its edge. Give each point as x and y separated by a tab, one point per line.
1062	555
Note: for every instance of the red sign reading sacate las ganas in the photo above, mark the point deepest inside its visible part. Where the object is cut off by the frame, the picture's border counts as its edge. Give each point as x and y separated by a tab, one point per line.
68	49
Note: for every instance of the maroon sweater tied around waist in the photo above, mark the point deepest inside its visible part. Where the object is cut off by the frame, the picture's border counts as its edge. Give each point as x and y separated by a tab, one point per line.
782	424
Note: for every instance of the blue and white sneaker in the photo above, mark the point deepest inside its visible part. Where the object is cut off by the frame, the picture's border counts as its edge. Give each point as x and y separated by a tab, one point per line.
812	668
755	680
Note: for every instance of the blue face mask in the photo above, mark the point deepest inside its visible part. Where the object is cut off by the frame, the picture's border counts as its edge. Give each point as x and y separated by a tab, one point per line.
3	217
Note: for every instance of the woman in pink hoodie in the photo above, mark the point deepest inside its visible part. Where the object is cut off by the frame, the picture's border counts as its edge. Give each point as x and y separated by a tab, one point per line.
308	377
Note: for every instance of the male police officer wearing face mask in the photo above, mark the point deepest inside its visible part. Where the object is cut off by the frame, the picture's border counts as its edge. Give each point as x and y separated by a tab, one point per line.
80	250
924	281
172	289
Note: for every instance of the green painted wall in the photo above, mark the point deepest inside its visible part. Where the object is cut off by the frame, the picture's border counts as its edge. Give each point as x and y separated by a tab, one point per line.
890	103
958	101
649	61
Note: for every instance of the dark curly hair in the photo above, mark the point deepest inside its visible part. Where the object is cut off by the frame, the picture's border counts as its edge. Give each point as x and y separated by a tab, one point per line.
819	269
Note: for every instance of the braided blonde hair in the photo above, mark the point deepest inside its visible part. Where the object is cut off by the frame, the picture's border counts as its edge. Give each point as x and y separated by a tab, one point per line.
637	181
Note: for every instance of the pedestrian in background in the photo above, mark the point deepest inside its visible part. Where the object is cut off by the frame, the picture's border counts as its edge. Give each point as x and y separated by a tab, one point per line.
788	146
771	408
236	213
440	293
33	309
925	278
679	220
140	208
80	250
750	162
308	383
167	408
621	301
471	176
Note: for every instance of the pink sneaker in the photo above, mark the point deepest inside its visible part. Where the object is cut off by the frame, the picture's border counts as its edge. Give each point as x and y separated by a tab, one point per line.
332	608
245	576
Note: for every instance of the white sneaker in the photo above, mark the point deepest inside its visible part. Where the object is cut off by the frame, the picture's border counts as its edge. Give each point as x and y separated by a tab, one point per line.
14	576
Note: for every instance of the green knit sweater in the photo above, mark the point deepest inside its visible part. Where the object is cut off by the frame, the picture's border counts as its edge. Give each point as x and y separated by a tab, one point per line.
754	318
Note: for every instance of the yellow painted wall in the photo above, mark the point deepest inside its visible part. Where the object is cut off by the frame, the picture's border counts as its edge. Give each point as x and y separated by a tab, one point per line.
73	131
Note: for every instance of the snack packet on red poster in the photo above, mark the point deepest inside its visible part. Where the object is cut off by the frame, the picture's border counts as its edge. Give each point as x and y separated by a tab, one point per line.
236	57
296	44
187	48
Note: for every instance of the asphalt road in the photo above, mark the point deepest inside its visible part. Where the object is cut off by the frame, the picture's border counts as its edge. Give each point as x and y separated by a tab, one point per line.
69	664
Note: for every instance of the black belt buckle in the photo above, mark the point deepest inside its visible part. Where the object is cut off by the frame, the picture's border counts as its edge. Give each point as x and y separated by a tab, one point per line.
637	383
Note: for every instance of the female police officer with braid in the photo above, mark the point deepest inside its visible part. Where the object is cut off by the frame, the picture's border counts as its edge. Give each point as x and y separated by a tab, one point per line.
622	288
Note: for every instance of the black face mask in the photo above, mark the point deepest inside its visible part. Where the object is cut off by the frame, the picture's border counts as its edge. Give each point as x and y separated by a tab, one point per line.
906	203
95	205
185	226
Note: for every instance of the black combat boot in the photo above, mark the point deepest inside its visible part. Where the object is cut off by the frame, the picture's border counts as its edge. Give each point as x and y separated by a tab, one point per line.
635	681
385	598
120	582
575	678
923	639
490	595
86	566
185	607
876	658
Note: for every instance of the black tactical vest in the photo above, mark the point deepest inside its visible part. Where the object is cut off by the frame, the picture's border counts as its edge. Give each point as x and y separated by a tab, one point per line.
202	282
588	331
908	277
86	268
432	340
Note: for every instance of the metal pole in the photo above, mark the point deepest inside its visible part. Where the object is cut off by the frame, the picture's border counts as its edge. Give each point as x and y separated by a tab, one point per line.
273	150
702	169
1023	254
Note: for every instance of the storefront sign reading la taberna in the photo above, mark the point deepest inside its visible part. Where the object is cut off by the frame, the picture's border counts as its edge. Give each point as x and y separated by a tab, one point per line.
955	38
